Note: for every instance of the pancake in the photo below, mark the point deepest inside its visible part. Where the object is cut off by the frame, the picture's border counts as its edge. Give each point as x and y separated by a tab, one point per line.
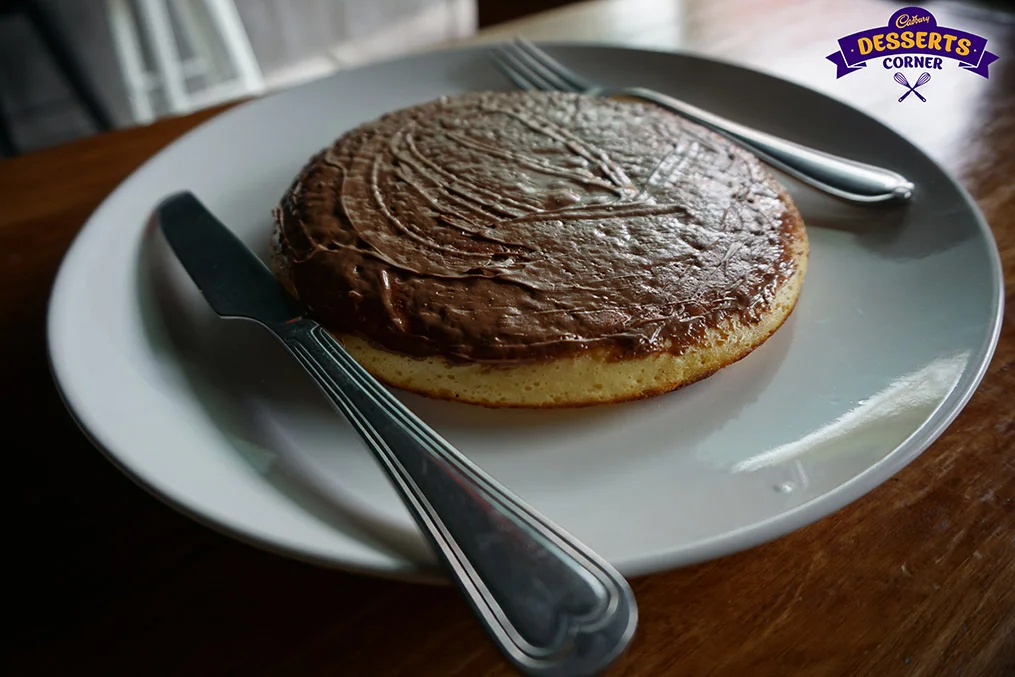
540	249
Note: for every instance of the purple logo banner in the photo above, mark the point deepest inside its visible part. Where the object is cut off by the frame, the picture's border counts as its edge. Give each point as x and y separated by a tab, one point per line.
912	30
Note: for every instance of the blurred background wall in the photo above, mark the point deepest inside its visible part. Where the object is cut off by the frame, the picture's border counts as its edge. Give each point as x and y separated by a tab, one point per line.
290	40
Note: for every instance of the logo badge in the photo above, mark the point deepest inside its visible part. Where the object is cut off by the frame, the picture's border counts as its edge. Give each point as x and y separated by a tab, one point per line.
912	40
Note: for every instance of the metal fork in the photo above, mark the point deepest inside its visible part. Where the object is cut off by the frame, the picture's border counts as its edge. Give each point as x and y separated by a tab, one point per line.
531	68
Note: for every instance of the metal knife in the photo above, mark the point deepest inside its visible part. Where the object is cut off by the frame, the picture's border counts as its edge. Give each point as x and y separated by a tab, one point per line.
553	607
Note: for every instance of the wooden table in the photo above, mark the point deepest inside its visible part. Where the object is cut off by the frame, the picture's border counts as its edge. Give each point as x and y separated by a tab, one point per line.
917	578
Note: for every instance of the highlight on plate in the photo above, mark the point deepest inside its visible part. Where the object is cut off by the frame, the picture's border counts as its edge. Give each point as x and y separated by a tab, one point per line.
540	249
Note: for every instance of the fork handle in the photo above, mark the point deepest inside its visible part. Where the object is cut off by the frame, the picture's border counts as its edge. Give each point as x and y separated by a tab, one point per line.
844	178
553	607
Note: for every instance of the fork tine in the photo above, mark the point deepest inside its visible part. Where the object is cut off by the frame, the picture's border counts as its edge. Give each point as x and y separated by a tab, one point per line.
516	69
536	66
514	76
575	81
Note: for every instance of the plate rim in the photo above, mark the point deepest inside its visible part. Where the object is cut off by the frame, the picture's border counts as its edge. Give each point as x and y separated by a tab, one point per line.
737	540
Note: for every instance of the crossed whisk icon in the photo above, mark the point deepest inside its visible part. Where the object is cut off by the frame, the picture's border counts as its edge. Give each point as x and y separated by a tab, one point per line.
922	80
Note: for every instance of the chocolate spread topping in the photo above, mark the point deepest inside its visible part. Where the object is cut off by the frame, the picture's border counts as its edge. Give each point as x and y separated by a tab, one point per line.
507	227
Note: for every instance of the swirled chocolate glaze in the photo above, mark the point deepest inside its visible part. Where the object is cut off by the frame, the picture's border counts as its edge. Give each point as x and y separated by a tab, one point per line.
505	227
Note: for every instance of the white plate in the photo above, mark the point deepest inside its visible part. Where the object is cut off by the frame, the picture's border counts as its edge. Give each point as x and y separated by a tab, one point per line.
897	321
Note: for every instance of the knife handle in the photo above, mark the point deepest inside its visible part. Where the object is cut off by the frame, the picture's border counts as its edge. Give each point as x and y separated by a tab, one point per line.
552	606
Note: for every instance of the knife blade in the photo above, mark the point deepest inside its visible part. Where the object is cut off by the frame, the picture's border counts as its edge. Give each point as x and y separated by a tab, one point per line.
233	280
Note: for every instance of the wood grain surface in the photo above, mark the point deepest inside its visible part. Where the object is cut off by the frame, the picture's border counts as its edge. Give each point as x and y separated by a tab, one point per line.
916	578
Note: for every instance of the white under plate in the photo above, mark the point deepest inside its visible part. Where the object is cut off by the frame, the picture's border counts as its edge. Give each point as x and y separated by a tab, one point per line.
898	318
